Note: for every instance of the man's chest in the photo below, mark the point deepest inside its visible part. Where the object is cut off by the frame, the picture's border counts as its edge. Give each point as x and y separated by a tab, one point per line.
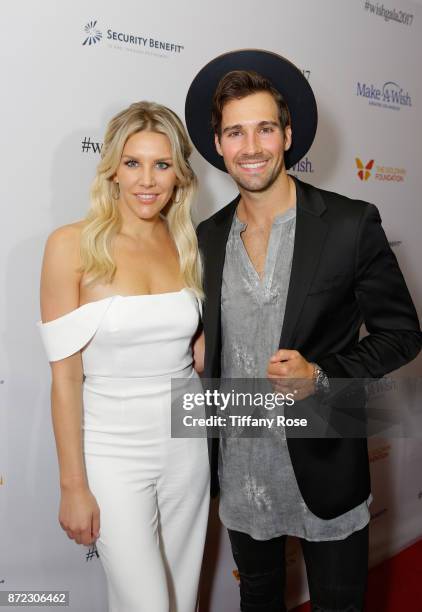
255	242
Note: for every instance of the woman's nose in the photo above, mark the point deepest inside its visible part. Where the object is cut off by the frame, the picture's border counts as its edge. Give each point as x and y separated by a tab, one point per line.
146	177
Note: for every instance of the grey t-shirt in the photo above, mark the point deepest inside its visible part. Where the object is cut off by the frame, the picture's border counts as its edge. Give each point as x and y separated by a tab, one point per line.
259	494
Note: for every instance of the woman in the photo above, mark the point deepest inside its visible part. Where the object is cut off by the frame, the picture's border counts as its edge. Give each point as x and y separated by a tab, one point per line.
120	295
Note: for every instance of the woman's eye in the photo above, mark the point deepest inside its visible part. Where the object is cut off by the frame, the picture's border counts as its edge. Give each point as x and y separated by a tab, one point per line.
163	165
131	163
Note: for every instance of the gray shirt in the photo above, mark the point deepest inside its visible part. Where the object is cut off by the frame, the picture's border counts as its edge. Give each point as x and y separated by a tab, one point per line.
259	494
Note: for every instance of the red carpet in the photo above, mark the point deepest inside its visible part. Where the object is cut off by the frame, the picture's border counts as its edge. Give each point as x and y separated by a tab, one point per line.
395	585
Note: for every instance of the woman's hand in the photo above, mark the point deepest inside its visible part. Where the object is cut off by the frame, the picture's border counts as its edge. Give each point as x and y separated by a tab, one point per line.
79	515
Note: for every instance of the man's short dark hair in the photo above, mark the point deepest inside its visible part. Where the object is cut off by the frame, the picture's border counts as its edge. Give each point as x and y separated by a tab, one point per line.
238	84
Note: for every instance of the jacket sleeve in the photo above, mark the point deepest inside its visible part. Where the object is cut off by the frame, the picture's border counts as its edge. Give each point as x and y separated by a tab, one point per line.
394	337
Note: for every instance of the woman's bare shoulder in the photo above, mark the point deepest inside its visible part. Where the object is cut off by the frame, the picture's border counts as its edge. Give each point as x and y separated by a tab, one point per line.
61	275
63	245
69	232
65	240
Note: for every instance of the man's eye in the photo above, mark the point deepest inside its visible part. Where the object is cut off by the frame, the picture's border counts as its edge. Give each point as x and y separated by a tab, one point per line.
267	130
235	133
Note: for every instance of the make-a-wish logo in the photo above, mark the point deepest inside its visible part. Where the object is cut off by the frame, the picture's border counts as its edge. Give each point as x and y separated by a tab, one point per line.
391	95
381	172
303	166
364	170
93	35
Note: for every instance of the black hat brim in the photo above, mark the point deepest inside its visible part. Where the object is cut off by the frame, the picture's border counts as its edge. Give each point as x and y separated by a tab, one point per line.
284	76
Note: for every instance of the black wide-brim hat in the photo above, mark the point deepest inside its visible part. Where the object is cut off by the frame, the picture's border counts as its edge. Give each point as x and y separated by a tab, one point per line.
284	76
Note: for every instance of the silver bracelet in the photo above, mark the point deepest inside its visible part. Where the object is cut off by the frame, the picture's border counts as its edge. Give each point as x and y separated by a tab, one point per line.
321	382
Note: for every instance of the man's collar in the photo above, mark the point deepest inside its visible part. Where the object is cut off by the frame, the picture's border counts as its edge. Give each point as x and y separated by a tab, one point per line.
308	199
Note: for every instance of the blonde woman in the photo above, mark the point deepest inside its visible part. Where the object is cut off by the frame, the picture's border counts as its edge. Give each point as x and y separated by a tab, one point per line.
120	295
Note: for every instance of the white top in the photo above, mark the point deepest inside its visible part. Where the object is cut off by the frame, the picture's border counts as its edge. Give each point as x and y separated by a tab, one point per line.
133	335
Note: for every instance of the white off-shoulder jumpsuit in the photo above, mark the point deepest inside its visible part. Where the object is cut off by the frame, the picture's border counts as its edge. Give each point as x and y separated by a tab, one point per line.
152	489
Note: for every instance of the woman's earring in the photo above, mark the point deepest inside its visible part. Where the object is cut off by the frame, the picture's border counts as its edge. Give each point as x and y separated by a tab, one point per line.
115	191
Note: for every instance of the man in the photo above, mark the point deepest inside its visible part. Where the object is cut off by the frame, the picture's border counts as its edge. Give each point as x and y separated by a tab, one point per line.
290	274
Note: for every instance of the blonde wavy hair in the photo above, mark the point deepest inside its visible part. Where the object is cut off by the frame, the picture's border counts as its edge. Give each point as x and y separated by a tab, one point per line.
103	220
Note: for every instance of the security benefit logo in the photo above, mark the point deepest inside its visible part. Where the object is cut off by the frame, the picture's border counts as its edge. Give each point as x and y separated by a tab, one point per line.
129	41
93	35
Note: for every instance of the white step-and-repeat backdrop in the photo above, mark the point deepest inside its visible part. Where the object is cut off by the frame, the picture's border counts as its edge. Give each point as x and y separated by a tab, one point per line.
69	66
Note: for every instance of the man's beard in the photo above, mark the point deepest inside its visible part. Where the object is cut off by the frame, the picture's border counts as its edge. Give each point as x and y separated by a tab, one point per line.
259	188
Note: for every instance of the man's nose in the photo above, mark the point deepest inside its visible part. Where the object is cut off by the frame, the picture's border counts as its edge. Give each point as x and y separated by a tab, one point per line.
252	143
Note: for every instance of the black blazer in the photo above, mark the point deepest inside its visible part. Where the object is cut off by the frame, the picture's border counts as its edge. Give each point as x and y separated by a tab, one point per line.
343	273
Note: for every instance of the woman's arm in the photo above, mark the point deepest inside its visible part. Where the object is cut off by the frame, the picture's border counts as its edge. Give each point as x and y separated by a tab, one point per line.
79	513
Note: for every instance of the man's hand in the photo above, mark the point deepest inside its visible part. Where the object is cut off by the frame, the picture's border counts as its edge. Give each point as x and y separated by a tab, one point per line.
291	373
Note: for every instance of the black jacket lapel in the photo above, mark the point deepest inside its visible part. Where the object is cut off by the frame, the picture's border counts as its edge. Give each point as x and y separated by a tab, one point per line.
311	231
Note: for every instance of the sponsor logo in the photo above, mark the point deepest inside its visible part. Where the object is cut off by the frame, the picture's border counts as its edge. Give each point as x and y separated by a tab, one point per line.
379	387
390	95
130	41
92	34
304	166
388	14
92	552
381	452
90	146
364	170
380	172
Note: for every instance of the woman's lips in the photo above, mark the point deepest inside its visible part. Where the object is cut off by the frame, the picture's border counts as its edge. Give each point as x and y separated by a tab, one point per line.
146	198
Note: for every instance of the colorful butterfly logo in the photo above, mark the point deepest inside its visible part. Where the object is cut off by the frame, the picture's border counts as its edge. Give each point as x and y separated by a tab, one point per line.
364	172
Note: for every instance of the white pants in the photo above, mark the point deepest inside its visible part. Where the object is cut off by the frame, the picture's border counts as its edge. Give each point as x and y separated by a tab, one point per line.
153	494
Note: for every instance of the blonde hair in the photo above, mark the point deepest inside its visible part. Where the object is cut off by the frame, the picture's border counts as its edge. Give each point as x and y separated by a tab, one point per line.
103	220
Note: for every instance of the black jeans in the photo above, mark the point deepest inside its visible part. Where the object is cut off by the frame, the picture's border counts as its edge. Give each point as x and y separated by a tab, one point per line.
337	572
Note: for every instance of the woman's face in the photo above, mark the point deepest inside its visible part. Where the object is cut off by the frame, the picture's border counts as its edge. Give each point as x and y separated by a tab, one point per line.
146	175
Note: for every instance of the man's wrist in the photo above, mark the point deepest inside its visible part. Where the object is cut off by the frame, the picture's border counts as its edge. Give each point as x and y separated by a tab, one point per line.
321	382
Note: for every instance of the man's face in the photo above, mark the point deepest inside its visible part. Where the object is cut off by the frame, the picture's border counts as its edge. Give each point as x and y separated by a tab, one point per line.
252	142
